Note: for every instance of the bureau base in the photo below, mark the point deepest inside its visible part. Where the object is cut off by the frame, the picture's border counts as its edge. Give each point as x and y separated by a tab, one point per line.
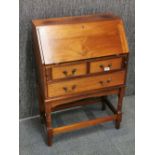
46	117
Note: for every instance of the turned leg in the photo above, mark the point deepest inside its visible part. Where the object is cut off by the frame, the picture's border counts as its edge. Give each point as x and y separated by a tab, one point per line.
41	108
119	108
48	125
104	98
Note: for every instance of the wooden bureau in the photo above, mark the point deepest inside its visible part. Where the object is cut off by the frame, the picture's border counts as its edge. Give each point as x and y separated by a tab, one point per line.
79	58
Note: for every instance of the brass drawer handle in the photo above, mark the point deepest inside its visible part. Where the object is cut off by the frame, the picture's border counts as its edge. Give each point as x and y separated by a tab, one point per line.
65	89
110	65
74	71
102	67
103	82
73	87
65	73
69	90
109	80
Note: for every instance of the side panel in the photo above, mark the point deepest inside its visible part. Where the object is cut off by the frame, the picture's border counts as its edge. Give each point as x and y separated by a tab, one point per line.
41	79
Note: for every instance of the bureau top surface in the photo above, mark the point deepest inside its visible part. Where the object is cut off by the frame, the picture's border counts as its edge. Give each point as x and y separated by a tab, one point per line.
78	38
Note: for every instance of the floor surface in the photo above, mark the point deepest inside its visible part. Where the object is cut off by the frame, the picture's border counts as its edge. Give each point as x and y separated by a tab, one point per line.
102	139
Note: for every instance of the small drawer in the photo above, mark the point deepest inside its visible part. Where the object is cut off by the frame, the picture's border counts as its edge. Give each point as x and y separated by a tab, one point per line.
85	84
65	71
105	65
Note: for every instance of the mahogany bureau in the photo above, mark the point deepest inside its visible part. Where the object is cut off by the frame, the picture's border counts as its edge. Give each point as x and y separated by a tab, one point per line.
79	58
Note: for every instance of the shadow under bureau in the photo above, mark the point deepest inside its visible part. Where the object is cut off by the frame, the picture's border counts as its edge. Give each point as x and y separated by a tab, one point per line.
79	58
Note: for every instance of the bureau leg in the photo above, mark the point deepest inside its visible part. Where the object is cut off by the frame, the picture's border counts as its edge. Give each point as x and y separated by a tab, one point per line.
104	98
41	105
119	108
48	125
41	109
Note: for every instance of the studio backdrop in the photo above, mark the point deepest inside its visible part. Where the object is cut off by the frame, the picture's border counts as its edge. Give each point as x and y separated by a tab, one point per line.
58	8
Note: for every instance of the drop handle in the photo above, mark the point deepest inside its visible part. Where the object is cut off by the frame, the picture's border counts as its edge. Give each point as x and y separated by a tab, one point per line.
102	66
103	82
109	80
65	73
73	87
69	90
65	89
74	71
110	65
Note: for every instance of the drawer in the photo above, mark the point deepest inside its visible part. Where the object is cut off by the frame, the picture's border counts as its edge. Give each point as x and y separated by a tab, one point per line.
65	71
86	84
105	65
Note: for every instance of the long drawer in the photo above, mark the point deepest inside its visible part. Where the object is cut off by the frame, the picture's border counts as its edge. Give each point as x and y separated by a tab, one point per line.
85	84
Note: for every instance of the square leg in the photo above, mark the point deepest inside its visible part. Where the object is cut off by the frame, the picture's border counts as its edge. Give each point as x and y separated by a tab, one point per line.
41	106
119	108
103	99
48	126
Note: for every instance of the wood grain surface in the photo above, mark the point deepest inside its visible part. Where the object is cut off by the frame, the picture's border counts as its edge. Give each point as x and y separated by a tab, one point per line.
73	55
85	84
105	65
67	71
82	40
35	9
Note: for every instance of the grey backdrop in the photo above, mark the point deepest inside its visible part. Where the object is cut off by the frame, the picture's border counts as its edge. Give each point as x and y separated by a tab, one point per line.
31	9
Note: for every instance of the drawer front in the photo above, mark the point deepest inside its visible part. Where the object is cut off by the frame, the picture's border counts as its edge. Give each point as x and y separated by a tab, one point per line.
86	84
59	72
105	65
